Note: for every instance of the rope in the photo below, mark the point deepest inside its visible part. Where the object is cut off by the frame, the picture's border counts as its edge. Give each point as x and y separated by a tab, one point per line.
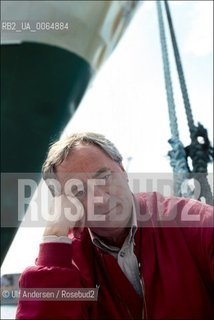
180	73
167	76
177	154
200	153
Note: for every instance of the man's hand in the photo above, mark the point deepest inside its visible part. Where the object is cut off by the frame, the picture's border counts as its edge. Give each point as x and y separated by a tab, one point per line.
65	214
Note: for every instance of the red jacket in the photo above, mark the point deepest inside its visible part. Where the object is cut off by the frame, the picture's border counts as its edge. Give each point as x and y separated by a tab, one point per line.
176	261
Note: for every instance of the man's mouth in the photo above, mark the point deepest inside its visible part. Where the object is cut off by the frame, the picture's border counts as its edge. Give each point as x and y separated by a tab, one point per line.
109	211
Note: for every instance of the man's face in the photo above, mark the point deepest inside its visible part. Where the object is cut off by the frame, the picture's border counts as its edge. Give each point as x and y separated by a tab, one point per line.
109	196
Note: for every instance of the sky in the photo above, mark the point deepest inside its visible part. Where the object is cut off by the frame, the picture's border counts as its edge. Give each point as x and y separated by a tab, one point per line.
126	100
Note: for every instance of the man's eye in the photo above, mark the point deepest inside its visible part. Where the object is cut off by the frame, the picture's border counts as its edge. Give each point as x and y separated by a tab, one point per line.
80	194
106	177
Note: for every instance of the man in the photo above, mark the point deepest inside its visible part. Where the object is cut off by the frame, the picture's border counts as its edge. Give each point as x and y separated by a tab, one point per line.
149	257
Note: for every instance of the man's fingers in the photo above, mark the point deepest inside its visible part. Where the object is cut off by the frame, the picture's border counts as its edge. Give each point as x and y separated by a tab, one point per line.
66	213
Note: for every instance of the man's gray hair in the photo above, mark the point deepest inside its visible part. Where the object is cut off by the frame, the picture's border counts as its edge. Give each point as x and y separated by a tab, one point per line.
60	150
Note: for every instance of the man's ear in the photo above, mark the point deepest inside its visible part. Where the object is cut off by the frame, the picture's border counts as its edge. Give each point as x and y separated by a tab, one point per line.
122	168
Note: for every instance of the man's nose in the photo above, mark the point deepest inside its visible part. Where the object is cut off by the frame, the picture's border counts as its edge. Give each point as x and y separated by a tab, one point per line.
101	202
101	192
